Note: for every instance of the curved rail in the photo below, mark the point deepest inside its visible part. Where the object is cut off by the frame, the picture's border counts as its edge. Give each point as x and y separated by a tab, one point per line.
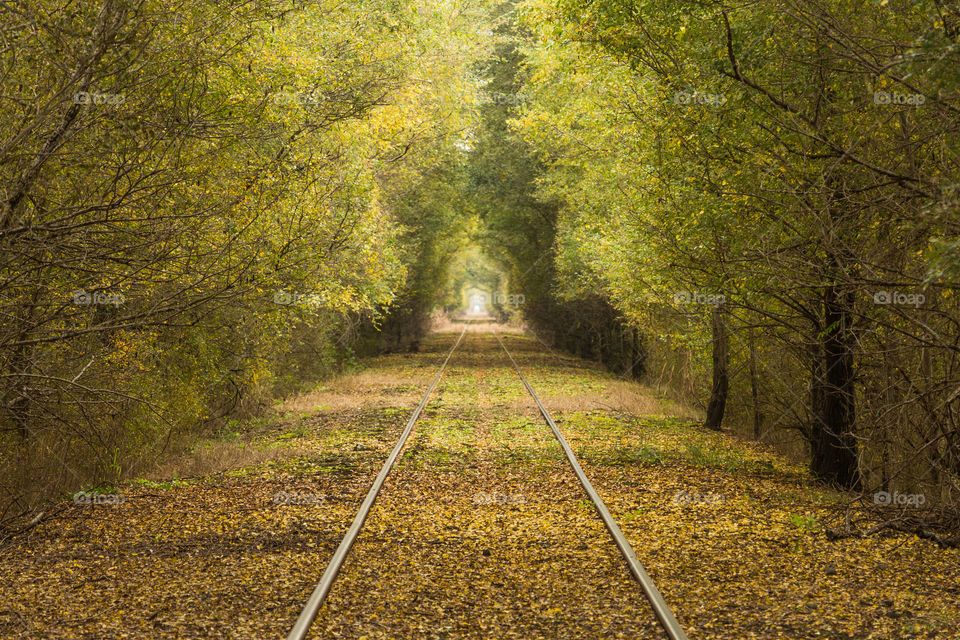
667	620
312	607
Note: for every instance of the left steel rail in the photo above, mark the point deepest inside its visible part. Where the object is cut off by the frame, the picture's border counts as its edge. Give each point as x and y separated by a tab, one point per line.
312	607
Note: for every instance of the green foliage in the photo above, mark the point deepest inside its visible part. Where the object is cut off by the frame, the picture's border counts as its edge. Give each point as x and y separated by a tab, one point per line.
797	159
804	523
232	190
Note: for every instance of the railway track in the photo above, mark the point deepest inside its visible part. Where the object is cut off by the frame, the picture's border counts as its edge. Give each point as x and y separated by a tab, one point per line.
661	610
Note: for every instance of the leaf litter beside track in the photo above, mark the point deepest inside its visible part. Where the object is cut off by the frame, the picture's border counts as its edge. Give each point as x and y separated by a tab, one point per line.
482	531
733	534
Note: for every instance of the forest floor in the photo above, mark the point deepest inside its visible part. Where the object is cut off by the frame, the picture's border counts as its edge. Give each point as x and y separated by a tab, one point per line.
481	530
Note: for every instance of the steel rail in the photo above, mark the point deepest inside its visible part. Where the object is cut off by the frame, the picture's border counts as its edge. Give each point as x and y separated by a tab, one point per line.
660	607
312	607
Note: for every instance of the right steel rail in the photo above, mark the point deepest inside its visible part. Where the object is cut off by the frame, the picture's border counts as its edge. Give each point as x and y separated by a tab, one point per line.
667	620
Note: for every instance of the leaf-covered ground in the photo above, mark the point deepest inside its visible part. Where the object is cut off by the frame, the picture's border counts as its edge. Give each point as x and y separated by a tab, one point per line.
481	531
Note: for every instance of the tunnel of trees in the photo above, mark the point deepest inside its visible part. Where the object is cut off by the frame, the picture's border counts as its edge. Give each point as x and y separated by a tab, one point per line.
752	206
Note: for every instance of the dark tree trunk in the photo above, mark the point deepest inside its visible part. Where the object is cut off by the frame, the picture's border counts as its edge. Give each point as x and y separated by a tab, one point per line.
833	445
639	360
721	380
755	387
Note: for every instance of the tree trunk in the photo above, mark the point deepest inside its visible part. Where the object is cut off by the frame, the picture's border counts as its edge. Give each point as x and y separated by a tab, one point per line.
833	446
755	387
721	381
638	357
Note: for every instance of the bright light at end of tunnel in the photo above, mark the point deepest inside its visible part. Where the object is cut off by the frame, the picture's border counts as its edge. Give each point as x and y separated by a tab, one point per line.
478	306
